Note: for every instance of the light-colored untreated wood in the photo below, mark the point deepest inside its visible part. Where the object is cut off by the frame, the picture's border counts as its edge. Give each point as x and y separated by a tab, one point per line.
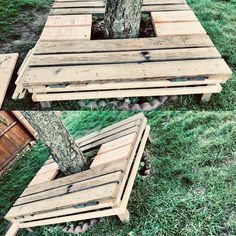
124	217
206	97
173	16
68	67
13	230
103	189
178	28
7	66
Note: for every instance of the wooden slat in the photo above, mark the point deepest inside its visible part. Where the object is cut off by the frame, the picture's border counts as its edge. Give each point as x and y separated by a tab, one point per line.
134	170
112	134
7	66
124	85
13	230
132	154
145	2
128	93
59	75
120	142
178	28
93	194
112	155
78	217
70	188
123	45
173	16
63	21
97	134
65	33
64	212
91	173
91	4
100	10
124	57
46	173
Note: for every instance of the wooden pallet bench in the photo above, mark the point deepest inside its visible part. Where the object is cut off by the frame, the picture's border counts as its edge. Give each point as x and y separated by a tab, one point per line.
133	67
181	60
103	190
7	66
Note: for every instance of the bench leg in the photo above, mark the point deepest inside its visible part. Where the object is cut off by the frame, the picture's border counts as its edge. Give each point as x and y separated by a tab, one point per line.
206	97
45	105
124	217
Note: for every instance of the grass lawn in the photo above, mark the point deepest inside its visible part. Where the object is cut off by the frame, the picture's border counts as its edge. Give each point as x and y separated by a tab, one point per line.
191	190
22	21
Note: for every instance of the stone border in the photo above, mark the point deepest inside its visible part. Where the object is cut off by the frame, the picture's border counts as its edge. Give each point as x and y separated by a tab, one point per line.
125	104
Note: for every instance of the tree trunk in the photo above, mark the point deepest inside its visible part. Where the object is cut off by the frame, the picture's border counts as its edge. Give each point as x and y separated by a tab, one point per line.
122	18
61	145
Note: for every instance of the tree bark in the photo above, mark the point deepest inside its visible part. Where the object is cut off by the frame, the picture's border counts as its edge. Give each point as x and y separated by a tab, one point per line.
122	18
61	145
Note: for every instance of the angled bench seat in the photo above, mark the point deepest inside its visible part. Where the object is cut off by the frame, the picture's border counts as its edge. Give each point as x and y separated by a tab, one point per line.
103	190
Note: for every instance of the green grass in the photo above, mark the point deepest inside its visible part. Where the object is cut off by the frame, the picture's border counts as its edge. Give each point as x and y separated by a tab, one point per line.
191	190
15	14
217	16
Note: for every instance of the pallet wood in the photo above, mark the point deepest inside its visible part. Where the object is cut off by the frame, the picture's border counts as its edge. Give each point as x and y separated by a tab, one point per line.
127	67
179	23
107	181
7	66
98	7
63	28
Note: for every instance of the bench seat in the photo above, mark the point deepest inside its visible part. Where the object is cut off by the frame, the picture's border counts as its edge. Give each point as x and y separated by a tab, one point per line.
102	190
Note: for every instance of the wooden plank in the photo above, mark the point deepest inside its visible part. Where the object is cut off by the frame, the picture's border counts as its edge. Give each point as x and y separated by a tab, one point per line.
7	66
24	63
112	155
120	142
91	173
77	4
64	212
72	20
132	154
109	138
102	4
128	93
101	10
173	16
13	230
141	71
78	217
100	192
178	28
130	127
145	2
65	33
45	177
117	45
49	167
124	85
124	57
131	119
134	170
70	188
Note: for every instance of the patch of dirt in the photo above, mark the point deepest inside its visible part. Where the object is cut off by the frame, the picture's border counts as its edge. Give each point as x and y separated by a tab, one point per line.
28	34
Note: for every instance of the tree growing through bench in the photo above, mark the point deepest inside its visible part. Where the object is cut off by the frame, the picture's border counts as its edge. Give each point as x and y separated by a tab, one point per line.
61	145
122	18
